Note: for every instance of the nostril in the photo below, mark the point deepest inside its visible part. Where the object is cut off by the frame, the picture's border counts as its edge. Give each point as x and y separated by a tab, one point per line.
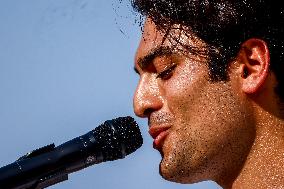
246	73
148	111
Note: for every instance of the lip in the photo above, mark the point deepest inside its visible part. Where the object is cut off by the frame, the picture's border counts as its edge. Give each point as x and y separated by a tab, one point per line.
159	135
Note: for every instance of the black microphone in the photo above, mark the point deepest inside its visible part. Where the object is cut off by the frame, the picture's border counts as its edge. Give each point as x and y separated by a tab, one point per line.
46	166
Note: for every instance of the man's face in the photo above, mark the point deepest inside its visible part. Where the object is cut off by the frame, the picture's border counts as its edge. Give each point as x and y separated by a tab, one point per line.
202	129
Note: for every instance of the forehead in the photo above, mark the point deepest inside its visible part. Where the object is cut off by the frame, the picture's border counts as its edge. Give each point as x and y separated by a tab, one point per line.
152	38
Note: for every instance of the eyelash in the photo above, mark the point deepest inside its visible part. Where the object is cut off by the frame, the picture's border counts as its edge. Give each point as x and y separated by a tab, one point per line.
167	73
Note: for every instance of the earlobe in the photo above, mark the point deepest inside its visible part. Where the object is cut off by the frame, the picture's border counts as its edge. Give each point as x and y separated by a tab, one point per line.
255	60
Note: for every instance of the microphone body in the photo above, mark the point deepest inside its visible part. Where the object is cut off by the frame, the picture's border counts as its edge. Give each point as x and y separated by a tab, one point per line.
112	140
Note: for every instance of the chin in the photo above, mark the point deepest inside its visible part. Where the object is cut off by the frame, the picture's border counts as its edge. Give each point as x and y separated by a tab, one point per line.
184	171
172	173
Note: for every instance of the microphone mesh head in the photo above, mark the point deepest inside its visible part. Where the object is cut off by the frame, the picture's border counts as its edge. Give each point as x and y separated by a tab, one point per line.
118	138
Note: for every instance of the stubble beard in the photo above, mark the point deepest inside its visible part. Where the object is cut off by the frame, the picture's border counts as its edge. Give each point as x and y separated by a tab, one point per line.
177	161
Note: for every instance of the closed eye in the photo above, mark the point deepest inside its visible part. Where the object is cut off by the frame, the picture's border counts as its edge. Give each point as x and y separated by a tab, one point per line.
136	71
167	73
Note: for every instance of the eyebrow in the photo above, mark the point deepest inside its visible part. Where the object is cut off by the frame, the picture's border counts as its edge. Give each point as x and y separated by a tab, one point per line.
143	62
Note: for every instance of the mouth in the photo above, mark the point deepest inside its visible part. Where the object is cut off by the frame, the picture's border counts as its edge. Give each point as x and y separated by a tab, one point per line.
159	135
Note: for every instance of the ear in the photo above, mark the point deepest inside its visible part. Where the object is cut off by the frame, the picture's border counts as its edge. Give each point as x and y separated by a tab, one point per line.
255	60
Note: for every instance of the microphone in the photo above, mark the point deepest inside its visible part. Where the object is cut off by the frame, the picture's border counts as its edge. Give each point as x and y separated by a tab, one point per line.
49	165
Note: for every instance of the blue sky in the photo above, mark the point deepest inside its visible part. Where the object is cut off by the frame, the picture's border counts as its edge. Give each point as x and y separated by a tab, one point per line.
65	67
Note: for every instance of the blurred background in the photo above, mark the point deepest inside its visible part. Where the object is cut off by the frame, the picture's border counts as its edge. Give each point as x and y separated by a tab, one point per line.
65	67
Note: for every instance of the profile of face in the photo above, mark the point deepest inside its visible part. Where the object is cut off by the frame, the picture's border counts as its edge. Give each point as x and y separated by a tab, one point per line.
203	129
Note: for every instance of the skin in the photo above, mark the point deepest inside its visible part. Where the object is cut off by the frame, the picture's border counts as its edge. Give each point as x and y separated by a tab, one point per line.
213	128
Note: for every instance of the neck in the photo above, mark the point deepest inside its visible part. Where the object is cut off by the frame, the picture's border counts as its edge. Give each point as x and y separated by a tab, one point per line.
264	165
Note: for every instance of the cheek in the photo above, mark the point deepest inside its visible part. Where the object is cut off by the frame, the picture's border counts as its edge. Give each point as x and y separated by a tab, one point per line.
184	88
211	135
212	114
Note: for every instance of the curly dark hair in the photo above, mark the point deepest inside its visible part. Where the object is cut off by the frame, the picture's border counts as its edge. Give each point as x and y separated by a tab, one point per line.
224	25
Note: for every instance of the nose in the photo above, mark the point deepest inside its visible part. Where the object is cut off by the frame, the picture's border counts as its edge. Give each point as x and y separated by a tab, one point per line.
147	97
